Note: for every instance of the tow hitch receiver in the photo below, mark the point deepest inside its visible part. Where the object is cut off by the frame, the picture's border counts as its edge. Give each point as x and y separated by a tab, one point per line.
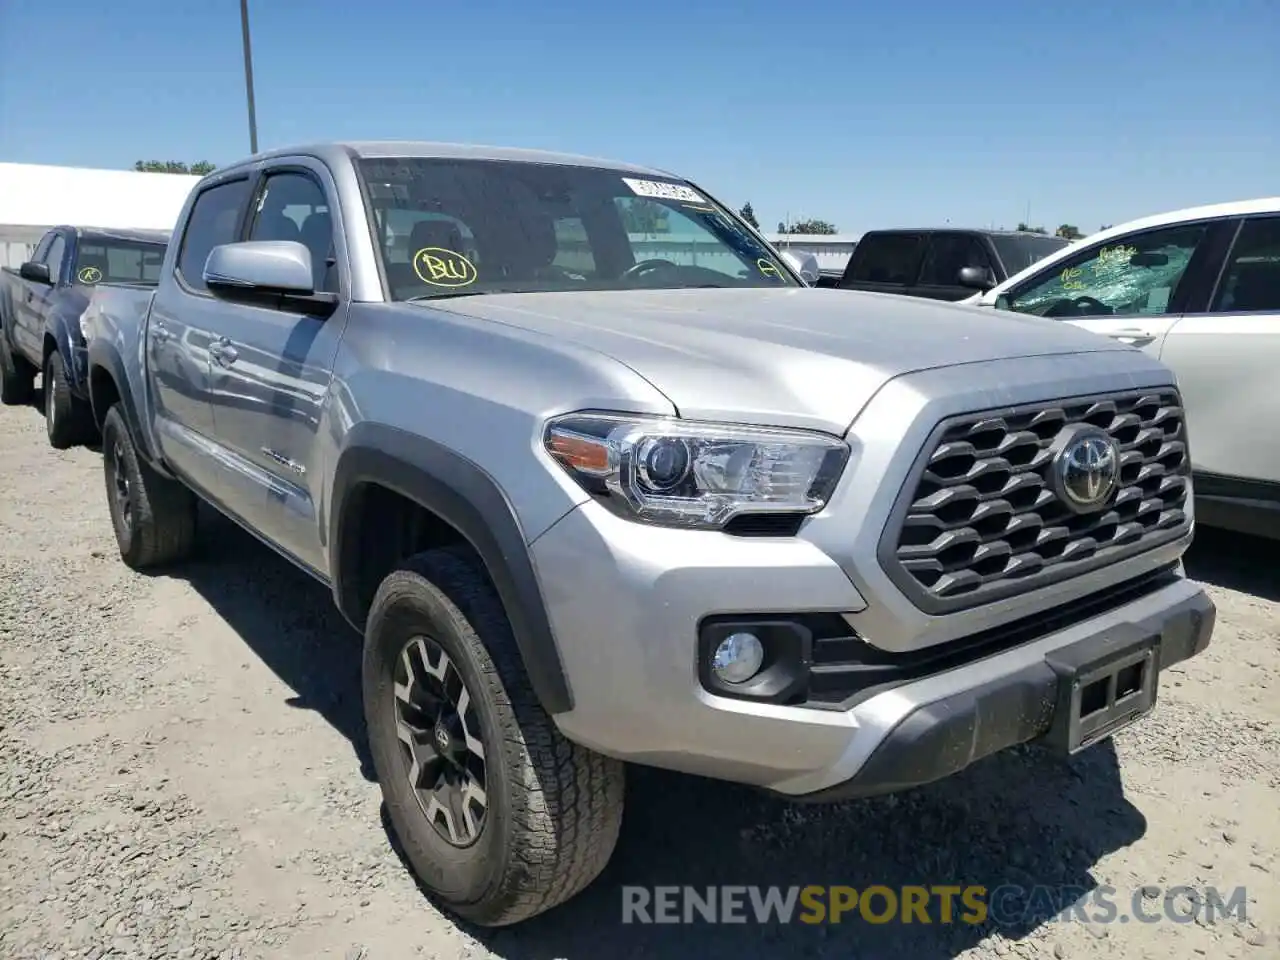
1104	685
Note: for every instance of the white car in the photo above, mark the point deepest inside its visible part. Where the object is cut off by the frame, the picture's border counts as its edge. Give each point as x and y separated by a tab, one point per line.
1199	289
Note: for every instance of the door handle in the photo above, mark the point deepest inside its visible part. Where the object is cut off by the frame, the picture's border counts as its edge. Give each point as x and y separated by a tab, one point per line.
1132	335
223	353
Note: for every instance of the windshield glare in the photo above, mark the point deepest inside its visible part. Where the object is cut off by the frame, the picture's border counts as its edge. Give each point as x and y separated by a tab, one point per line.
447	227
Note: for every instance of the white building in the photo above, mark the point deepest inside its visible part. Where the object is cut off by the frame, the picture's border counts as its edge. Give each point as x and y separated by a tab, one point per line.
831	249
35	197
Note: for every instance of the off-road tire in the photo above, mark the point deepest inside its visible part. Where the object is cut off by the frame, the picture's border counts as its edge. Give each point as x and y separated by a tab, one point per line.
554	808
17	376
160	526
68	419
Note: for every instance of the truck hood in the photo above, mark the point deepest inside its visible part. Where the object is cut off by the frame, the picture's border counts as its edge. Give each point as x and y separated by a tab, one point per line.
795	356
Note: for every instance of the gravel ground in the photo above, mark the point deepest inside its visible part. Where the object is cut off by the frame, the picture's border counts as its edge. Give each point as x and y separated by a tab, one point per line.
184	775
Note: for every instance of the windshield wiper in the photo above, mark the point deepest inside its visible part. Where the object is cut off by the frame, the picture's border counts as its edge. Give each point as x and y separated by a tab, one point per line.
448	296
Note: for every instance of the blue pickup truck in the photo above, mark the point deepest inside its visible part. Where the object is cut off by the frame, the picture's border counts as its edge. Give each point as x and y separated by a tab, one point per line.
41	306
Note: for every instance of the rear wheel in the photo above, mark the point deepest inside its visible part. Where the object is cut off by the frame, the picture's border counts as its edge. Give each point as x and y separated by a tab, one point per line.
67	419
17	376
154	517
501	816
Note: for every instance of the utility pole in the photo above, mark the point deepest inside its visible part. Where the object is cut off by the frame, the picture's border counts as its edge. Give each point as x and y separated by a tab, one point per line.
248	76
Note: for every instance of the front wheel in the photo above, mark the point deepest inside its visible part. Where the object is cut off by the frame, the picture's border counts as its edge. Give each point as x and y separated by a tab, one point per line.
500	816
68	420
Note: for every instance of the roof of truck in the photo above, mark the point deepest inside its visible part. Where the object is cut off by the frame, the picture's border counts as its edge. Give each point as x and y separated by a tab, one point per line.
985	231
429	149
120	233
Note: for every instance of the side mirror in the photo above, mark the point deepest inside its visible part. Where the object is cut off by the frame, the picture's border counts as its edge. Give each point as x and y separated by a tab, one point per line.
805	264
275	273
35	272
976	278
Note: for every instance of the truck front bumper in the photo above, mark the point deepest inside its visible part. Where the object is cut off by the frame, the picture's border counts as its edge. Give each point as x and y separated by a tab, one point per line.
628	604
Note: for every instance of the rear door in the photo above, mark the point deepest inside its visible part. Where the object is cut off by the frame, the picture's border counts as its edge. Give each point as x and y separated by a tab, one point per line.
1132	288
271	368
1226	354
885	262
946	255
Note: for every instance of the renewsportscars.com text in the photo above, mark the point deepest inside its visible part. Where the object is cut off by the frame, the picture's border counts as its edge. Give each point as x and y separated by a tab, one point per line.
934	904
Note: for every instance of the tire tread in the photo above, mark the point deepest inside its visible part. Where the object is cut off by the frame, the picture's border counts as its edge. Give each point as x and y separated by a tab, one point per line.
164	510
567	800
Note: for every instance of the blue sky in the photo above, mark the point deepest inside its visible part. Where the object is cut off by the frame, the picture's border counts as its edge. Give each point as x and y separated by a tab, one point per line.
865	114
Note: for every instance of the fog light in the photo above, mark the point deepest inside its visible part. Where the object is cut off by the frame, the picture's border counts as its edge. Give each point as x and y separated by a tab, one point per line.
738	658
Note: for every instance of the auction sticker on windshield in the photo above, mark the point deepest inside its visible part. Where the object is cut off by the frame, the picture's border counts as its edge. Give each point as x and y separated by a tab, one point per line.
660	190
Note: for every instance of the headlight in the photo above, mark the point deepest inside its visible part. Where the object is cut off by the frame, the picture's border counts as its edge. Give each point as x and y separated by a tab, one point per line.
690	474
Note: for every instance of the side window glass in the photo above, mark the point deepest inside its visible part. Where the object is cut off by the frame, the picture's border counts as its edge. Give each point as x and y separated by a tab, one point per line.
889	258
1138	274
54	257
292	206
212	222
948	255
1251	281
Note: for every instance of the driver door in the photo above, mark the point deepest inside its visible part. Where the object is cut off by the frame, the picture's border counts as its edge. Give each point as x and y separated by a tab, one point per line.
1132	288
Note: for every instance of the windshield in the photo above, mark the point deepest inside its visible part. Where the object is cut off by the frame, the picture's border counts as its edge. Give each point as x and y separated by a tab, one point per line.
117	261
1018	253
448	227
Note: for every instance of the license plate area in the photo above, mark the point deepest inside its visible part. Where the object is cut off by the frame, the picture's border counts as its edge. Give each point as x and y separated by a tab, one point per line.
1104	685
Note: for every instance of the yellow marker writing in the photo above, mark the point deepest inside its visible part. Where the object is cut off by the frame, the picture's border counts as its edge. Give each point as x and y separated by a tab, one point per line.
443	268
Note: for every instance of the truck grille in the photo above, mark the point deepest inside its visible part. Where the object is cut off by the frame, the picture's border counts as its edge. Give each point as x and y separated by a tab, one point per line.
983	521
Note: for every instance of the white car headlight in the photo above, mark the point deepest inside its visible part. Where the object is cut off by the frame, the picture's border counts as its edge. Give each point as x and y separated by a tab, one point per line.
692	474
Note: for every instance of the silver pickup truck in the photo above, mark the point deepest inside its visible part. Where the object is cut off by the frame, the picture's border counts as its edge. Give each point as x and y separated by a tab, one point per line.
601	481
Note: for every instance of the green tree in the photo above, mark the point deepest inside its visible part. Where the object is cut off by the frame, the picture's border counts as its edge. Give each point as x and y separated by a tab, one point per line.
199	168
749	215
1024	228
811	227
1068	232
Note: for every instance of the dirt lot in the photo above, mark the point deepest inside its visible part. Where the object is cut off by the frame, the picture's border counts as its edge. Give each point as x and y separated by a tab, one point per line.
184	775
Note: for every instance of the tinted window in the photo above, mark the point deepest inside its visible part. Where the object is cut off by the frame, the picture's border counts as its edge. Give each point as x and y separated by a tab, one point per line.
450	226
948	254
1137	274
1251	280
886	258
1018	253
212	222
117	261
292	206
54	257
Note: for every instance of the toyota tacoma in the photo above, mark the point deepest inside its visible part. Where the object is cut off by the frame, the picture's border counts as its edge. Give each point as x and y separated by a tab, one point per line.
601	481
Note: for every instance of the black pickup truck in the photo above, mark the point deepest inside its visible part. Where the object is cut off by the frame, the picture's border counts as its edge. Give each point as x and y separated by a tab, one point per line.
940	263
41	306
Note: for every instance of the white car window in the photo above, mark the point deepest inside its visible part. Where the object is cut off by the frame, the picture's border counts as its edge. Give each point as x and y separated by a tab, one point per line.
1137	274
1251	280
